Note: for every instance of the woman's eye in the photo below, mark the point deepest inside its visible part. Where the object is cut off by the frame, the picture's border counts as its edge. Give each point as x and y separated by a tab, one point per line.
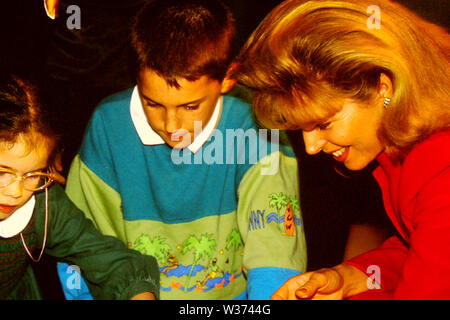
324	126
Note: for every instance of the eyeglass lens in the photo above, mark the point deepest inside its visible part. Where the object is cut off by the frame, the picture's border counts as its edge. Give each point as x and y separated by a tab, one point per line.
31	182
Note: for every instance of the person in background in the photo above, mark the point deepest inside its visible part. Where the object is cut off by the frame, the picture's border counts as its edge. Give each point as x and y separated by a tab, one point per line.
88	58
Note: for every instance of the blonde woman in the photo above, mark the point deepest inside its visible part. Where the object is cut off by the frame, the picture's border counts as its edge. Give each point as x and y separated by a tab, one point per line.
365	80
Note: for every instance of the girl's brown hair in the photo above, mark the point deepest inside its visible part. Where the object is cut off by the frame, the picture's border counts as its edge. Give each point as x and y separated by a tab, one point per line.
306	55
23	117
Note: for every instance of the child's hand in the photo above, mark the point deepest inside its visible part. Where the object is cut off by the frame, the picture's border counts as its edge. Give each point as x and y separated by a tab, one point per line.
144	296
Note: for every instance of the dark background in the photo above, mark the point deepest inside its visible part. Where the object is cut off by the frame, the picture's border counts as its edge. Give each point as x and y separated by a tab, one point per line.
73	81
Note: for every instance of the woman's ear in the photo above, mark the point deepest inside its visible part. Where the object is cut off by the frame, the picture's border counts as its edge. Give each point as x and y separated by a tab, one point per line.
385	86
228	82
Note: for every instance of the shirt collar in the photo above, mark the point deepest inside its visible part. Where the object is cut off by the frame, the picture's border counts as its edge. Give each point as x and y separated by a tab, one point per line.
17	222
149	137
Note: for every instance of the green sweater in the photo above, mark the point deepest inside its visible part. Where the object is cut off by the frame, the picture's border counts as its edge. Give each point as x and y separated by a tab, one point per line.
111	270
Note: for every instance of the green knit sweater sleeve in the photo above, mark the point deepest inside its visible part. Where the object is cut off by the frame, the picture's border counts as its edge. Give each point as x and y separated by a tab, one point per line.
111	270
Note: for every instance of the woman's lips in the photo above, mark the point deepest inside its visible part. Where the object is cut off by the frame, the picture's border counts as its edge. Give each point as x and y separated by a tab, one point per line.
341	155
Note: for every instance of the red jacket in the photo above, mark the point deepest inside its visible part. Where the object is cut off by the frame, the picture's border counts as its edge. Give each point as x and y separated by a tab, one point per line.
416	197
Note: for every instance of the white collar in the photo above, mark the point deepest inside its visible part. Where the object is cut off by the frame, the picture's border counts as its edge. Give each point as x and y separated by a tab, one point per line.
149	137
17	222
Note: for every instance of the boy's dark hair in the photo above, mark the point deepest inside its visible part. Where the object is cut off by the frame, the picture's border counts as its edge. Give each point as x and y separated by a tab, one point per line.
184	39
21	113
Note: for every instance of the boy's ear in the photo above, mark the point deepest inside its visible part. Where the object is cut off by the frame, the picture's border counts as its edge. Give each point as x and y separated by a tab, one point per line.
229	82
227	85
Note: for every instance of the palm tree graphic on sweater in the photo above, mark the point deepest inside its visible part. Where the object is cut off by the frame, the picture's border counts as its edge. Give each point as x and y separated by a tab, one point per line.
153	247
234	240
291	203
278	201
294	203
202	248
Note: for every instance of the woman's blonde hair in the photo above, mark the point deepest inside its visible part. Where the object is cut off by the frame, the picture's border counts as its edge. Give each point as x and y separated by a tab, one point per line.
307	55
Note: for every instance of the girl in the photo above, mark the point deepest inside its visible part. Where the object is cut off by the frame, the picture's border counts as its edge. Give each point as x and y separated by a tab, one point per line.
365	80
36	215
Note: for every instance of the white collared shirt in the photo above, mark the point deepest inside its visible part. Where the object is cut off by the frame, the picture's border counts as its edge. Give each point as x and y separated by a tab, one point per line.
18	221
149	137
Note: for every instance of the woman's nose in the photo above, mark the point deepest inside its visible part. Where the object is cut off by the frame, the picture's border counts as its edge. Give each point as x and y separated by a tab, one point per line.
314	141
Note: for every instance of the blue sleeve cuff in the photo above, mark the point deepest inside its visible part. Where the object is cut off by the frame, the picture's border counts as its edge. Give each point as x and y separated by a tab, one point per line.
263	282
73	284
242	296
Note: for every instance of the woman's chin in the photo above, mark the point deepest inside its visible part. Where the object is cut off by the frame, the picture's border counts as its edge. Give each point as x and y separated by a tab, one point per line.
355	165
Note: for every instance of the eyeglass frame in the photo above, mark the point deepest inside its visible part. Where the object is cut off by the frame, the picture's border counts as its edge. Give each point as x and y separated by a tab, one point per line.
21	178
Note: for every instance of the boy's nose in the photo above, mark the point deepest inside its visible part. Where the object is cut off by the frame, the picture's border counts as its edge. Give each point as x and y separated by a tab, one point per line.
314	142
14	190
172	122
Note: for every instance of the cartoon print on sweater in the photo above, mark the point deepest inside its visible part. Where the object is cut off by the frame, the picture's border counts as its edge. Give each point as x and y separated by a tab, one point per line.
234	242
198	249
289	219
215	269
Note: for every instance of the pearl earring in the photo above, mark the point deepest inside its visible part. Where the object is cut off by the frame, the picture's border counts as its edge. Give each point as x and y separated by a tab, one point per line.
386	102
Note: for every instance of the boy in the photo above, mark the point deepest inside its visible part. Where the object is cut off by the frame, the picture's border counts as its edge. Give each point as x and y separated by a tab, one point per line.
160	167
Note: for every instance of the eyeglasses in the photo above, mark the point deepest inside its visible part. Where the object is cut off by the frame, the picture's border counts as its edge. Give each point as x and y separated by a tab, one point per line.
32	181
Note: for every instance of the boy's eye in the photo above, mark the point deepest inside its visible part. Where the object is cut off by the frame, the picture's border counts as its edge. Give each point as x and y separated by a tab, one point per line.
191	107
152	105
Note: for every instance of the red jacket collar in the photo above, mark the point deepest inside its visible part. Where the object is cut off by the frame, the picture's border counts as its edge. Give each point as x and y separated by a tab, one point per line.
400	183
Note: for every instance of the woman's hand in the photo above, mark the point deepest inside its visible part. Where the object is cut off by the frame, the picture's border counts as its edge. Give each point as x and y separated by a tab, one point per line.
334	283
317	285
